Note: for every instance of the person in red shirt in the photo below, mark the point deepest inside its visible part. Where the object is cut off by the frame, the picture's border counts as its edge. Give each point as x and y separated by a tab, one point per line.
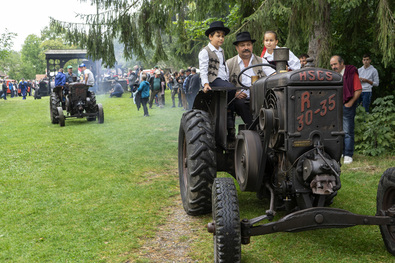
352	89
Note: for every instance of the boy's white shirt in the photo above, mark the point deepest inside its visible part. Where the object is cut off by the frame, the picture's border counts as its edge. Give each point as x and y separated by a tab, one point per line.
203	64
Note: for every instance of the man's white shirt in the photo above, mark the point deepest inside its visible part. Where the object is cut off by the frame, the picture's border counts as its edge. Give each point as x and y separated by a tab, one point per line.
246	76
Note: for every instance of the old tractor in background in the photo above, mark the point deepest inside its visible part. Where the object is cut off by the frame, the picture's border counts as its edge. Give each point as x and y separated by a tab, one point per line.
290	154
77	101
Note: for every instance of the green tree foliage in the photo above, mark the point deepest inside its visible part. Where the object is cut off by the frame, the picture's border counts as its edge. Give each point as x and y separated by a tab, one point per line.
141	24
14	65
6	43
33	52
32	60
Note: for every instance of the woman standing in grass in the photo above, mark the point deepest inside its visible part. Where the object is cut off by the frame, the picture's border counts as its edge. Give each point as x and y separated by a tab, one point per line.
144	90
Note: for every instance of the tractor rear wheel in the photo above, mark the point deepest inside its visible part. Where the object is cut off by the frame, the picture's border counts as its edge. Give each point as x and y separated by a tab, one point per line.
226	217
197	166
54	103
386	206
61	117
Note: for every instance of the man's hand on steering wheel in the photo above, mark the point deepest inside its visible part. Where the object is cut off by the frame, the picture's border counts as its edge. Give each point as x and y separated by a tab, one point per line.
240	94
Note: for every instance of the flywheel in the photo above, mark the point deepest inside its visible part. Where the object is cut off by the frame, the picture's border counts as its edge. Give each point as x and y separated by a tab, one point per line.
248	157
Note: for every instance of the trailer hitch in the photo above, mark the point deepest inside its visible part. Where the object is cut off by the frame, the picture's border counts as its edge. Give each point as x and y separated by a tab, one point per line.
314	218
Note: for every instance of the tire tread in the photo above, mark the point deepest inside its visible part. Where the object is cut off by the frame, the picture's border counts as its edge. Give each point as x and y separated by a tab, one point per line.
196	129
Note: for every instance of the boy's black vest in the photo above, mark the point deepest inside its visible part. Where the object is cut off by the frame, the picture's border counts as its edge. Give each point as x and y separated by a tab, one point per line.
213	64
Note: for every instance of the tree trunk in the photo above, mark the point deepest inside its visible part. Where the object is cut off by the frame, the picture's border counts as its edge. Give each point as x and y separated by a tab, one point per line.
320	41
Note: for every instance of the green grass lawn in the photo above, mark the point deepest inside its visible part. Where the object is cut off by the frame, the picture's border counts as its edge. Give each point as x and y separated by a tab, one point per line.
90	192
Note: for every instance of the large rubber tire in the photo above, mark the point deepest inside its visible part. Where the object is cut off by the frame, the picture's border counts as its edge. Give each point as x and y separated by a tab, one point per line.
61	117
385	201
54	103
197	164
226	217
100	113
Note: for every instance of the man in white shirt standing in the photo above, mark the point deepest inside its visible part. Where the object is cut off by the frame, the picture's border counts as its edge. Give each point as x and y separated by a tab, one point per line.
245	58
89	79
369	78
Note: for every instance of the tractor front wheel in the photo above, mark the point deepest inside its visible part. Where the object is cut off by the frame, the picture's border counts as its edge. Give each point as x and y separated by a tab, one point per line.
54	103
61	117
100	113
226	217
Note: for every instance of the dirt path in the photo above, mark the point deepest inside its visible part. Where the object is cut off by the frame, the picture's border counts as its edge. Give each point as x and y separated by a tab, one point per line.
172	241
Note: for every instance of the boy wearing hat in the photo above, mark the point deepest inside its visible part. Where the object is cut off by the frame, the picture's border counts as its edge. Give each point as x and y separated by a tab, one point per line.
213	70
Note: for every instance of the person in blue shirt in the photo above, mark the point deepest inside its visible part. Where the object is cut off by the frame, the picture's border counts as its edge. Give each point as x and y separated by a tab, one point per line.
11	88
23	87
60	79
117	91
144	90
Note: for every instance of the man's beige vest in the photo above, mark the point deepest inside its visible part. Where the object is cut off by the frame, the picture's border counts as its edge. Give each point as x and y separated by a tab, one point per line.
234	69
213	64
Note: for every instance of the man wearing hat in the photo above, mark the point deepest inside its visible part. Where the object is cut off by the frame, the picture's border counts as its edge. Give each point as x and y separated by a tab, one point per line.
157	87
89	79
70	76
245	58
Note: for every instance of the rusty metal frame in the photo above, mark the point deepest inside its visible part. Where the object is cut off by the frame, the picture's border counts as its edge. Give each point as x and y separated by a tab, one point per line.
310	219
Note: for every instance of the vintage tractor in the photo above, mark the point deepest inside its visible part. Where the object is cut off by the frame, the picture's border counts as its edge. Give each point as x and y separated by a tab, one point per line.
290	154
78	102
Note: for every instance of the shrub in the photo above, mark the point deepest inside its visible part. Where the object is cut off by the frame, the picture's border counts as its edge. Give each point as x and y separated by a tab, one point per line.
374	133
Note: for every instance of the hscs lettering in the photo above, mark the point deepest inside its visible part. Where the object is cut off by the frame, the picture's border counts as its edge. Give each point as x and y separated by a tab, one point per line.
315	75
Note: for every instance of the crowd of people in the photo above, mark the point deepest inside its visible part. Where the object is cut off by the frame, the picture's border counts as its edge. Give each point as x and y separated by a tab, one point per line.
22	88
149	87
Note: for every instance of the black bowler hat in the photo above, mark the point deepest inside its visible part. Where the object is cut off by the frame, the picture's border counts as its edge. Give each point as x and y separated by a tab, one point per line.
243	36
217	25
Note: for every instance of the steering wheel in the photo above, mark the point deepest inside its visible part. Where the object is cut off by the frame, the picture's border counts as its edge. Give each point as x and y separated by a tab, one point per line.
253	66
